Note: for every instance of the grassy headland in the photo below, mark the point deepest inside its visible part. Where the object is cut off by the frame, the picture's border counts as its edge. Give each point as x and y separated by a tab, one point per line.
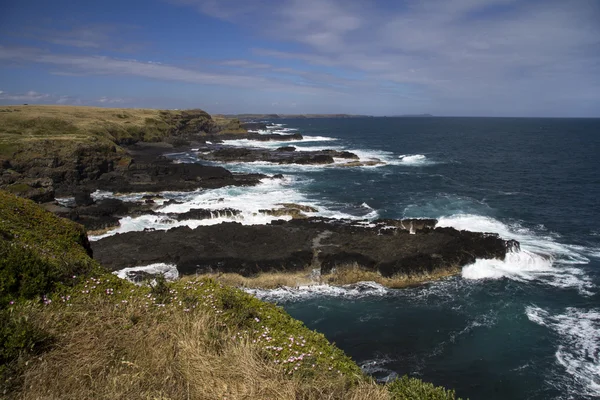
71	330
41	146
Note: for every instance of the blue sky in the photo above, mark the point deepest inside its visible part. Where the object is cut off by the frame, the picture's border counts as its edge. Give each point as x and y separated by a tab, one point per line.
444	57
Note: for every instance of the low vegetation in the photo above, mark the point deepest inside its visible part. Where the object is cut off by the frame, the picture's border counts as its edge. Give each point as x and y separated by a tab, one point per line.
75	331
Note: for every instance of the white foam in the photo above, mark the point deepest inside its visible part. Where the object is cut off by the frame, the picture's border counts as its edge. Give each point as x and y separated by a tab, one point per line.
168	270
284	130
65	201
578	349
248	200
357	290
541	258
267	195
522	265
414	160
276	143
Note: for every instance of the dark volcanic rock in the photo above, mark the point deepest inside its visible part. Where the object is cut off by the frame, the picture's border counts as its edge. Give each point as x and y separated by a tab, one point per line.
286	148
273	137
280	156
100	215
202	213
291	246
83	197
341	154
254	126
162	175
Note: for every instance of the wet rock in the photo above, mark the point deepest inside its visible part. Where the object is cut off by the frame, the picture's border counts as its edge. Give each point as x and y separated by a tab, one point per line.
341	154
254	126
202	213
236	154
83	197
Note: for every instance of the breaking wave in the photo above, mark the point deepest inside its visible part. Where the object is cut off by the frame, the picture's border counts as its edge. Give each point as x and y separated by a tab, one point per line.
541	258
414	160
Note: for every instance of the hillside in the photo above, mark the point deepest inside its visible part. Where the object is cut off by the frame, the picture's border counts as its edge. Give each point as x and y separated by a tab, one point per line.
71	330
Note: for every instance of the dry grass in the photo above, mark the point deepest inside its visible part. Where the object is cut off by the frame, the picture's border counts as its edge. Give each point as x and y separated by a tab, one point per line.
348	274
84	118
115	351
342	275
264	280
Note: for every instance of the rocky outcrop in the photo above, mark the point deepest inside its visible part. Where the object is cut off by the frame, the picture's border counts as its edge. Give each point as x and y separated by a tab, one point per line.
202	213
37	189
387	248
95	216
162	175
296	211
254	126
283	155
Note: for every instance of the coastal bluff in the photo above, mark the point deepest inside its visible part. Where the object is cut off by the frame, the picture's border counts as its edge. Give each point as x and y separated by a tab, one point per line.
53	149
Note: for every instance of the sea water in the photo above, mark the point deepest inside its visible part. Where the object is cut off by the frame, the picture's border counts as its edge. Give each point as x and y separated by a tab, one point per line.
527	327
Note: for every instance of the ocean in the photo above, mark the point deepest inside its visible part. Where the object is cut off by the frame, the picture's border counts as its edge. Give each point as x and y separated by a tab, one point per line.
527	327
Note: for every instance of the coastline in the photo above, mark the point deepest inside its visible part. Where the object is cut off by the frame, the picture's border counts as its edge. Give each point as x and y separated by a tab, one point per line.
128	179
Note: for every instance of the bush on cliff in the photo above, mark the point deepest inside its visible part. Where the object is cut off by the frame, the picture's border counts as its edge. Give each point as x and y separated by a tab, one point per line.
39	252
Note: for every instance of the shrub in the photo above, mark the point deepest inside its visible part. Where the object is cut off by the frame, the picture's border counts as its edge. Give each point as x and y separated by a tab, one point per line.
18	336
39	252
406	388
23	274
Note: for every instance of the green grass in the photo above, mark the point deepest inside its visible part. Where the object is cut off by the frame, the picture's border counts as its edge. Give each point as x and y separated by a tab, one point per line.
39	252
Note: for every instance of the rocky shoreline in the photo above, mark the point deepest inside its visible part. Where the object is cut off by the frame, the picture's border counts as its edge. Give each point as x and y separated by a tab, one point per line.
297	241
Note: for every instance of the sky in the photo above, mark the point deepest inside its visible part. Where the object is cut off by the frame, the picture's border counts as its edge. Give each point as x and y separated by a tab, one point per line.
379	57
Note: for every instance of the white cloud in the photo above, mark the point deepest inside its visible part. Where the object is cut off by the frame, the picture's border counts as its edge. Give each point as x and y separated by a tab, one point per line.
103	65
111	100
30	96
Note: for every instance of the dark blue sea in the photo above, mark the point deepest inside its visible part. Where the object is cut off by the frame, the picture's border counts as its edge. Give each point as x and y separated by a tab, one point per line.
525	328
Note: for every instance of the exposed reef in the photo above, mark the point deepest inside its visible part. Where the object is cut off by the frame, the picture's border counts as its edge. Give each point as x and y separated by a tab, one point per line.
282	155
409	247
